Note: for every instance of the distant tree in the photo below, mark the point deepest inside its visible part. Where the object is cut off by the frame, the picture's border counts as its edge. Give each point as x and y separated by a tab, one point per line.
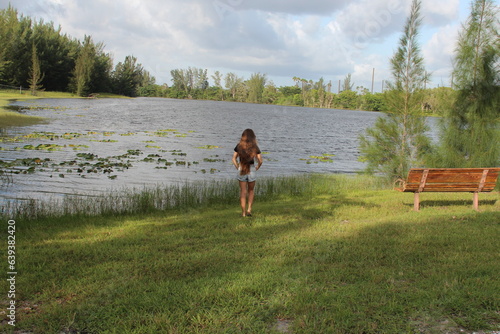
57	53
270	93
147	86
372	102
103	67
15	47
346	99
36	75
192	80
127	77
233	83
180	80
347	85
470	131
200	80
219	92
397	141
256	85
217	76
289	90
84	67
319	87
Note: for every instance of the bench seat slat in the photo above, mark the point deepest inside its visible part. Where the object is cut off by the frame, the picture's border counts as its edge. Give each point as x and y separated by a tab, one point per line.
449	189
435	177
436	185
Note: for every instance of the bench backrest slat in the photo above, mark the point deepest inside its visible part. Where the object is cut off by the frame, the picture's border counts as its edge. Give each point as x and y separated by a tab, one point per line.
451	179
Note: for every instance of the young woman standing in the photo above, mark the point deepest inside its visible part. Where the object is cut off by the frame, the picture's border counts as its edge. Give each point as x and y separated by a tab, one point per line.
244	157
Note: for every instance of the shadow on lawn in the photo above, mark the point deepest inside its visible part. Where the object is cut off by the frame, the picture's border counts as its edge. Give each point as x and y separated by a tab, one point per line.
104	268
214	271
432	276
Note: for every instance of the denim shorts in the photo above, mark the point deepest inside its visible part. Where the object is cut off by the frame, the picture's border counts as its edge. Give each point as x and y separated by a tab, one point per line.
250	177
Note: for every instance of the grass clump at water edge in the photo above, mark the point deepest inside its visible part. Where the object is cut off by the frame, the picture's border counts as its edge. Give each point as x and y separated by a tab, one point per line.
152	199
321	255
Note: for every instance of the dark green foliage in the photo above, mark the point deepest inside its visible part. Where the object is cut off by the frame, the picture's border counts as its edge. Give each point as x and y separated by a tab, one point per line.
67	64
56	53
127	77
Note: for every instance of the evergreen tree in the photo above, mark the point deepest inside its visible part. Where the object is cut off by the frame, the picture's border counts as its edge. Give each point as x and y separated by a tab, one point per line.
56	53
36	76
16	47
128	77
347	85
84	68
470	133
397	141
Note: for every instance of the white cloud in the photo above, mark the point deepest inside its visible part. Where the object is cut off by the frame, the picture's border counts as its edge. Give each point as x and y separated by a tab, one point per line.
282	38
368	21
439	13
439	51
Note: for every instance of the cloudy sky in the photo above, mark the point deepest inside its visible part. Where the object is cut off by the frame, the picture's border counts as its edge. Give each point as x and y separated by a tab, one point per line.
280	38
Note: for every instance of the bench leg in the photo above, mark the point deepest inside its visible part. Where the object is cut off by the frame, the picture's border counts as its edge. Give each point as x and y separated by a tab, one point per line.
475	201
416	201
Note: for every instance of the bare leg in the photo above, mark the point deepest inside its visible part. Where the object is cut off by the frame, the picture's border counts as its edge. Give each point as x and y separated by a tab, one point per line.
251	194
243	197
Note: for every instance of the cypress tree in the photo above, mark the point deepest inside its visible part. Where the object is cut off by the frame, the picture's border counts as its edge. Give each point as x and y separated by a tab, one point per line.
35	75
84	66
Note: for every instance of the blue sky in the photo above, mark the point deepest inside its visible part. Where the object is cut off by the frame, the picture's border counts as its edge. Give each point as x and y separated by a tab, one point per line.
279	38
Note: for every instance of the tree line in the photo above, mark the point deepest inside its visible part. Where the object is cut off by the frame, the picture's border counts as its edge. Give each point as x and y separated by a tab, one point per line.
193	83
37	54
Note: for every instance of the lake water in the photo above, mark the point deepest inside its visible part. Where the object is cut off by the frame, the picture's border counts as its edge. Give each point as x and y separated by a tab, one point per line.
90	146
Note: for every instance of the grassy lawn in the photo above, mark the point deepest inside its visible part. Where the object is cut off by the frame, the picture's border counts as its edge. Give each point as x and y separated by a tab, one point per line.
325	254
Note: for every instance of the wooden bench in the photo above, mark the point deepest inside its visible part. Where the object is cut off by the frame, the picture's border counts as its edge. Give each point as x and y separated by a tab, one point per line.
474	180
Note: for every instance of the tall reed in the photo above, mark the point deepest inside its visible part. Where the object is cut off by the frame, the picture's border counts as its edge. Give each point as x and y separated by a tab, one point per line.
146	200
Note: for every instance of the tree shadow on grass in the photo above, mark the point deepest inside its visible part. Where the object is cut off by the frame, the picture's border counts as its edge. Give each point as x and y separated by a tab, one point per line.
167	263
430	276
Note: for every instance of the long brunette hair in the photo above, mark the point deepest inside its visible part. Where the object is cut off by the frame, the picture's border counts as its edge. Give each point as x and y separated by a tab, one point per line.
247	150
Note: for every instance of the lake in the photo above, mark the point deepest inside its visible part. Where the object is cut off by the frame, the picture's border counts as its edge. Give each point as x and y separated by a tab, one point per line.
91	146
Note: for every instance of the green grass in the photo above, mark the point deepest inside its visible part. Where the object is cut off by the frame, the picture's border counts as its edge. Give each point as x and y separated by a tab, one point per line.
322	254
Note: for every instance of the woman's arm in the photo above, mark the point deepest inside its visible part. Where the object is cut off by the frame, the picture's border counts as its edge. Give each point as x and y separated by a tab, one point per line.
235	161
259	160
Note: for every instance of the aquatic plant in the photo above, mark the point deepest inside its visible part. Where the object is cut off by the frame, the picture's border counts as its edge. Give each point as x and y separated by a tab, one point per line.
208	147
326	157
134	152
45	147
214	160
105	141
88	156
